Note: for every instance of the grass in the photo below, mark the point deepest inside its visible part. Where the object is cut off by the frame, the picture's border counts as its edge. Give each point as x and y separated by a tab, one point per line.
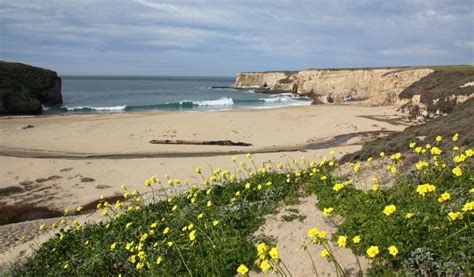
208	230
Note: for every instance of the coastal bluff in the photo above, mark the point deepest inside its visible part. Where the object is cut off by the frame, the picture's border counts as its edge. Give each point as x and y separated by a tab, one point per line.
372	86
24	89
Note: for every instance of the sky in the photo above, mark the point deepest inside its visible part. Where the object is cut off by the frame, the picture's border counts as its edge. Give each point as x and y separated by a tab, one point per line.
221	38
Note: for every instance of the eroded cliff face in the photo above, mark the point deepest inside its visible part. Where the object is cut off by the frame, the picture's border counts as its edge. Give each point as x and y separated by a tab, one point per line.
367	86
24	88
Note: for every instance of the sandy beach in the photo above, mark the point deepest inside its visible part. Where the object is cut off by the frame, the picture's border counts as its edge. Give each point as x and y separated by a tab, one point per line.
63	162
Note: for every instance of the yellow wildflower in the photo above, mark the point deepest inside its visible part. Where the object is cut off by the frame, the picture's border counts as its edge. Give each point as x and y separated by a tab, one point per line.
324	177
382	154
393	250
170	243
201	215
324	253
174	208
373	251
322	234
469	152
459	158
435	151
66	265
166	230
375	187
356	239
389	210
327	211
409	215
418	149
313	232
192	235
215	222
342	241
455	148
469	206
338	186
265	266
457	171
357	167
42	226
259	187
396	156
456	137
159	260
439	138
113	245
454	215
249	157
444	197
128	225
419	165
262	248
274	253
242	269
412	144
132	259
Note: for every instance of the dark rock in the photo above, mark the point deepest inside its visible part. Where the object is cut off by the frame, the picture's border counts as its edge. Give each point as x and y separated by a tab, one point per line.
11	190
24	88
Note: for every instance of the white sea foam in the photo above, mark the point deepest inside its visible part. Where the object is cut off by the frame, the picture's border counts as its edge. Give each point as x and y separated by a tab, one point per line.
224	101
285	98
112	108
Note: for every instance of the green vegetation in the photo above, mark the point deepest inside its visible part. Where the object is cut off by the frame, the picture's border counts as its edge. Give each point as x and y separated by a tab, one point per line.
423	225
24	78
460	120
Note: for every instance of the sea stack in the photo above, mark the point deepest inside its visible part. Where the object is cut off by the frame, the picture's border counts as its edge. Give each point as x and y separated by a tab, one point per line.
24	89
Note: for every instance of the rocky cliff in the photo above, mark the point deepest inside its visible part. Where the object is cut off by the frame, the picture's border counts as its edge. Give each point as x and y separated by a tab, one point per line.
369	86
24	88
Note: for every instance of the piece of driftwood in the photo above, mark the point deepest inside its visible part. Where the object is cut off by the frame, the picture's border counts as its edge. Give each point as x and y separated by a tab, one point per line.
200	142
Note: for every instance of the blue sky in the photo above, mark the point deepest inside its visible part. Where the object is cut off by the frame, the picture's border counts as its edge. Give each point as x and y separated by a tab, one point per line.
221	38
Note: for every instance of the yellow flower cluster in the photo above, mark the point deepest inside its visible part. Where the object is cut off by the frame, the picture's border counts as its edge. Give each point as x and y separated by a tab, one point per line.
425	188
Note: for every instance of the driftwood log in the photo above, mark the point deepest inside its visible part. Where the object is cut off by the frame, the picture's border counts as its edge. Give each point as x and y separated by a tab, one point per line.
200	142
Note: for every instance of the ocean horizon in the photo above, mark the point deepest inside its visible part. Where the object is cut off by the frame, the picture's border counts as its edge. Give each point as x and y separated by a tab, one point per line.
121	93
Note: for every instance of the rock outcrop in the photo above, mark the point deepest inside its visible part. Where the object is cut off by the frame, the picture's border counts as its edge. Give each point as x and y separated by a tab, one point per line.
24	88
373	86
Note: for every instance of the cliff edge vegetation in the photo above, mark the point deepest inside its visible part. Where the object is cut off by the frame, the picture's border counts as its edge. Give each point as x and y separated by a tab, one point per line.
24	88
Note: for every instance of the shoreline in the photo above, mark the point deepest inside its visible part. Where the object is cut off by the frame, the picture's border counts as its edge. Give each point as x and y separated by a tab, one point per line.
68	161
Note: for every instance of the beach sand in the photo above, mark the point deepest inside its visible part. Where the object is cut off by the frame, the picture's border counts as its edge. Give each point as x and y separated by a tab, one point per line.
67	161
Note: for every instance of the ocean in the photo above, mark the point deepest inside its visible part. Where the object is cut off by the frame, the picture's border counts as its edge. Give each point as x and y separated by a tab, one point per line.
100	94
